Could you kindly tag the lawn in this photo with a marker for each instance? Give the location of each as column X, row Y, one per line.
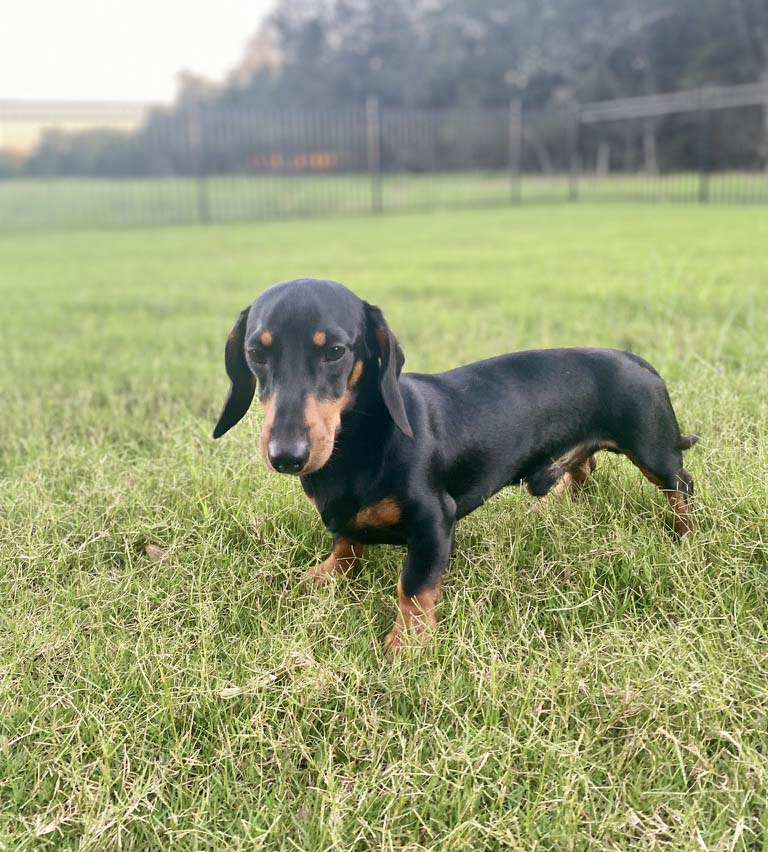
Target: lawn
column 594, row 684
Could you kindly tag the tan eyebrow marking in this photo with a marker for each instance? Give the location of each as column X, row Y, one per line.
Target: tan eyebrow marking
column 319, row 338
column 266, row 338
column 357, row 371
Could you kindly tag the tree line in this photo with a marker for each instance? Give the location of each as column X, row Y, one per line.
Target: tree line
column 438, row 53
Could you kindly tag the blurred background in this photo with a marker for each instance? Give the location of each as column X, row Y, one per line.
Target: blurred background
column 115, row 114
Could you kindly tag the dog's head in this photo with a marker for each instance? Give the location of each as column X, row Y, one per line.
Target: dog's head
column 307, row 344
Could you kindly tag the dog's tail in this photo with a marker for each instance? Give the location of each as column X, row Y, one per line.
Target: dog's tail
column 687, row 441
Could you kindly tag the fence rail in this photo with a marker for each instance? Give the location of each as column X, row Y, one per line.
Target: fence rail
column 90, row 164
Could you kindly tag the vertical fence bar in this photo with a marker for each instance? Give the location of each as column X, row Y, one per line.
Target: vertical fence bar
column 515, row 130
column 573, row 146
column 195, row 141
column 373, row 138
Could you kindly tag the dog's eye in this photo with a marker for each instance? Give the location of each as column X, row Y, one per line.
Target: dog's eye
column 257, row 356
column 333, row 353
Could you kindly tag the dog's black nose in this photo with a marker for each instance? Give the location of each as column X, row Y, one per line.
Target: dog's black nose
column 288, row 458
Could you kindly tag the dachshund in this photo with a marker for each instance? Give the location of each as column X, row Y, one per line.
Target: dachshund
column 391, row 458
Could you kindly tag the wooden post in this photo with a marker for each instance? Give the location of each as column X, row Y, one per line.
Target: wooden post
column 195, row 140
column 573, row 144
column 703, row 154
column 515, row 149
column 373, row 137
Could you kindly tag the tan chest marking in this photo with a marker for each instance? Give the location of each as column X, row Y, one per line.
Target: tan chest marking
column 385, row 513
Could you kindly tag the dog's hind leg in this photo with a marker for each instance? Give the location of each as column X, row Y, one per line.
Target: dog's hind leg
column 575, row 477
column 666, row 471
column 679, row 500
column 566, row 475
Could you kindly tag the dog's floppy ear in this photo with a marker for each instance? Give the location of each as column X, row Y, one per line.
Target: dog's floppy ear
column 384, row 344
column 243, row 381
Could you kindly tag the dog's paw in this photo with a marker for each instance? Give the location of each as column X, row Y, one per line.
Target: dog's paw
column 417, row 637
column 393, row 641
column 319, row 575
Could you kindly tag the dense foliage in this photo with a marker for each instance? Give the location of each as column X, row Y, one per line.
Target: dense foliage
column 447, row 52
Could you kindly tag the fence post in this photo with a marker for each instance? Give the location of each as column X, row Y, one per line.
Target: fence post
column 703, row 154
column 373, row 138
column 573, row 145
column 195, row 140
column 515, row 150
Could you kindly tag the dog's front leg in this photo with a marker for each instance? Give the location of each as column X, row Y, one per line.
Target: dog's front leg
column 342, row 558
column 418, row 589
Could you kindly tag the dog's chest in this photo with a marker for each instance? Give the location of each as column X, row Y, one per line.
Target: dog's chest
column 361, row 515
column 338, row 515
column 336, row 501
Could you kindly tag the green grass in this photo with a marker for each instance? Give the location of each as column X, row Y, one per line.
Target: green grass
column 78, row 203
column 593, row 683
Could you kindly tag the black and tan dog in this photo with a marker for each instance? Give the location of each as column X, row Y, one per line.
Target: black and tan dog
column 391, row 459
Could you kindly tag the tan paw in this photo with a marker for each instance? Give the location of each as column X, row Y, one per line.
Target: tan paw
column 417, row 635
column 393, row 641
column 320, row 574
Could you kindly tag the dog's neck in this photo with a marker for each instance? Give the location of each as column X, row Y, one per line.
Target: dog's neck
column 365, row 419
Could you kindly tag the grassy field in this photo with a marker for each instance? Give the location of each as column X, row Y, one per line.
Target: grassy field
column 78, row 203
column 594, row 684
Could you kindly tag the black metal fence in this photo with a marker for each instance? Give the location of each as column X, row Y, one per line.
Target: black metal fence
column 134, row 164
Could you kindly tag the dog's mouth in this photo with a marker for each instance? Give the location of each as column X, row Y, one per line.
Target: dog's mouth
column 322, row 420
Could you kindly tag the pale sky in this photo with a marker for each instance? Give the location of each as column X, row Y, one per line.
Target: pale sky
column 119, row 49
